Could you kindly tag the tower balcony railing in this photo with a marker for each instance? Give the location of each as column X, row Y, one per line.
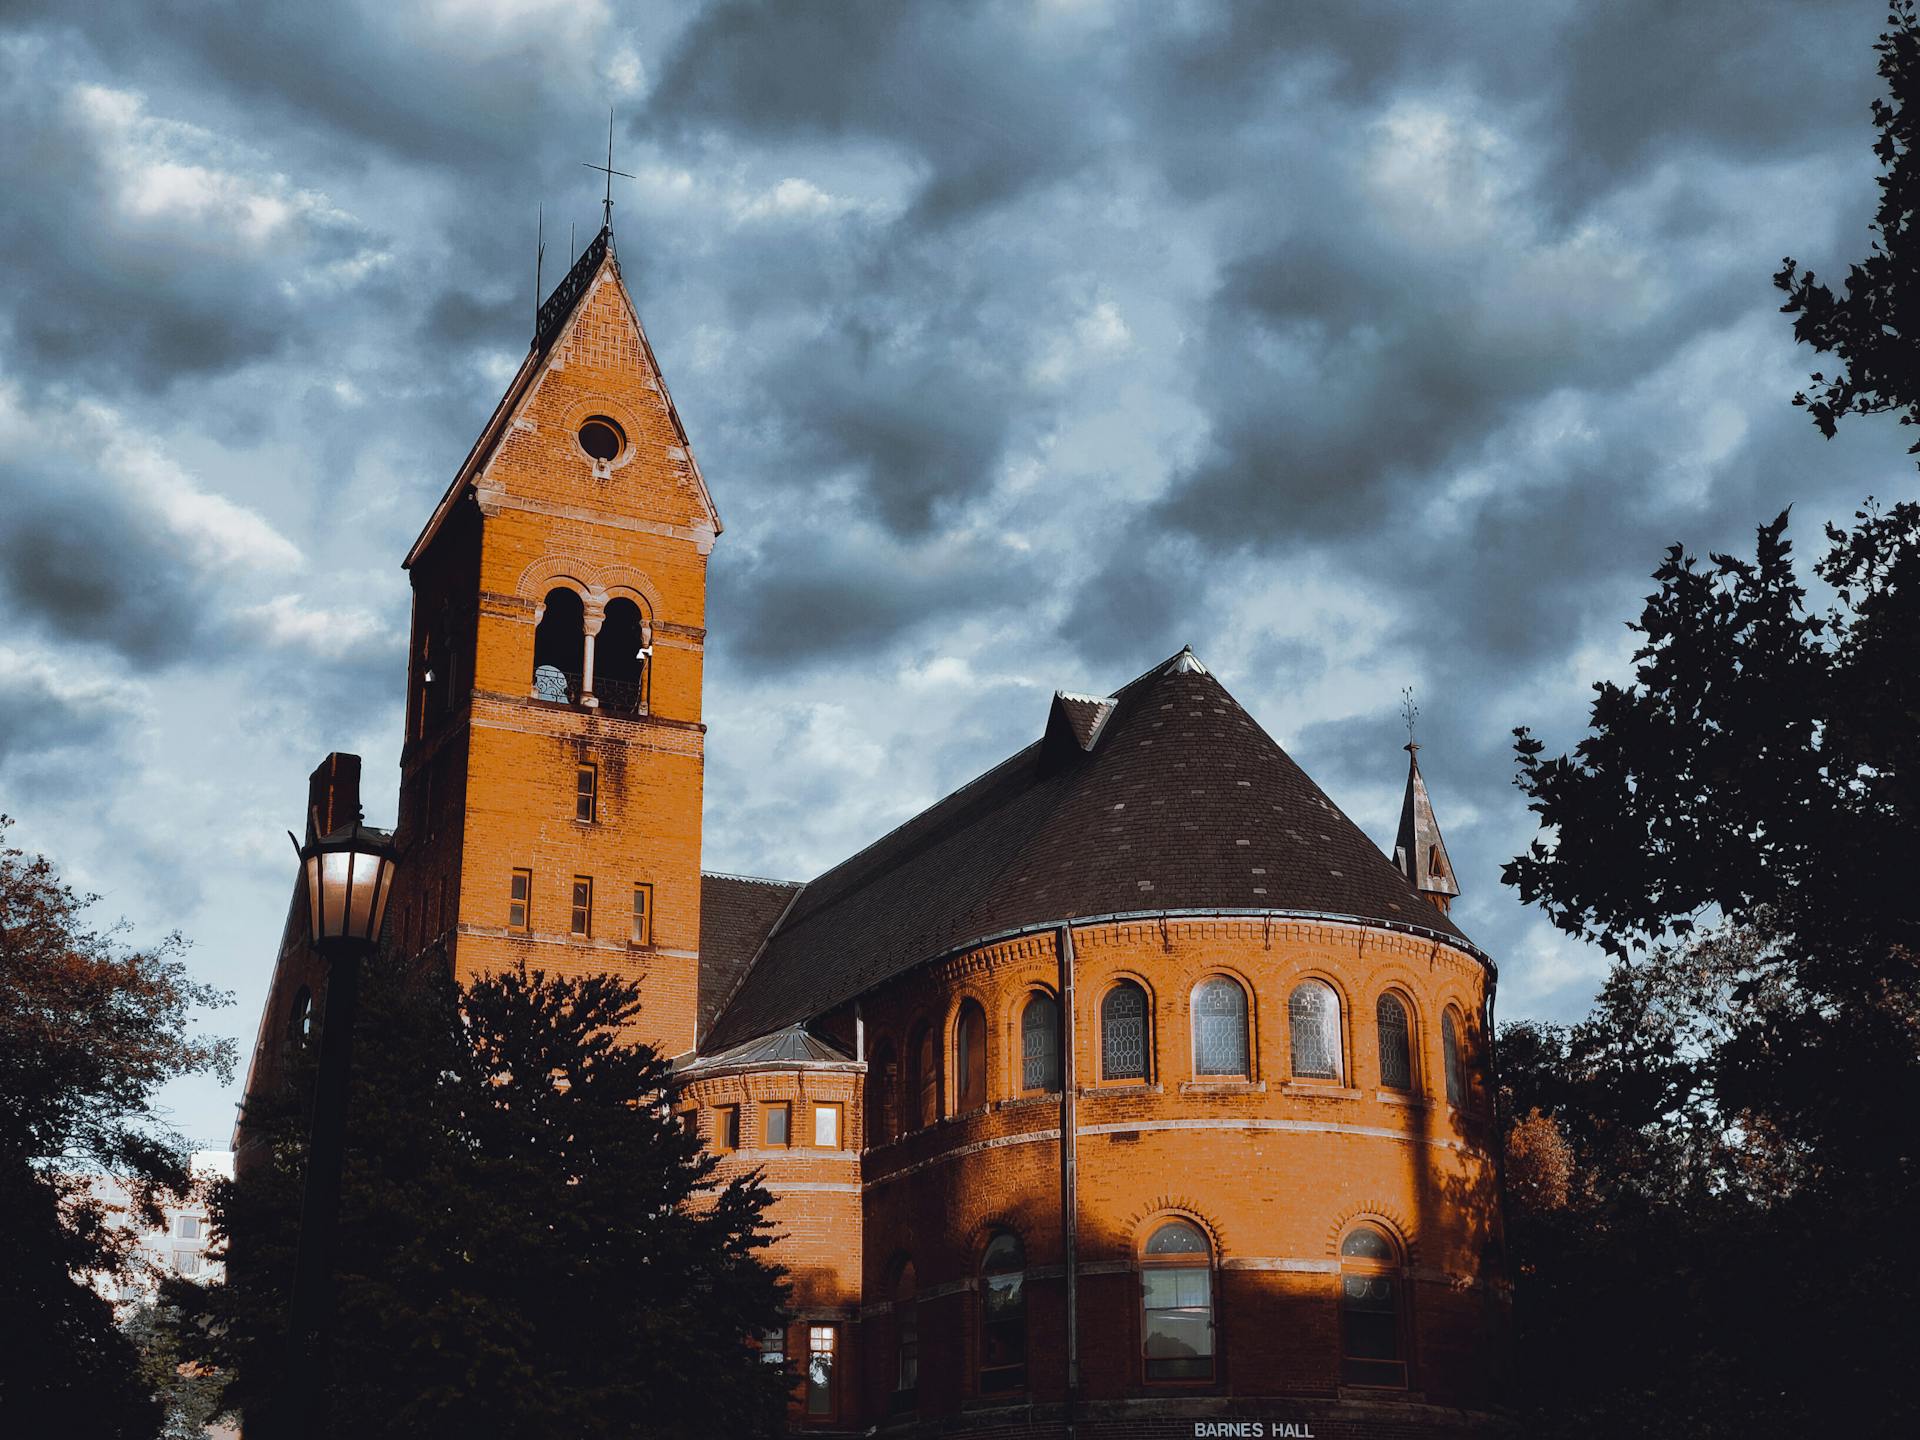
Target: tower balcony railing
column 614, row 697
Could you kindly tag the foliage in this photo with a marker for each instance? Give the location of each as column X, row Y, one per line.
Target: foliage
column 190, row 1393
column 529, row 1245
column 1874, row 326
column 90, row 1029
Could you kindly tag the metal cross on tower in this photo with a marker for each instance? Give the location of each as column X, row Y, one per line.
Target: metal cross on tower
column 606, row 205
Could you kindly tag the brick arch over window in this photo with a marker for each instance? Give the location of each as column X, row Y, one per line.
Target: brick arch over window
column 1178, row 1260
column 596, row 583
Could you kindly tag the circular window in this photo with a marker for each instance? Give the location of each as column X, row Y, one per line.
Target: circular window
column 602, row 438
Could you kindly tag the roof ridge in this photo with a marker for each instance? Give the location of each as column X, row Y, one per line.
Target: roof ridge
column 749, row 879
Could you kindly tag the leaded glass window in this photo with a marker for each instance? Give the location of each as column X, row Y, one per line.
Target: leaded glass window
column 1040, row 1044
column 1123, row 1033
column 1313, row 1015
column 1396, row 1044
column 1219, row 1028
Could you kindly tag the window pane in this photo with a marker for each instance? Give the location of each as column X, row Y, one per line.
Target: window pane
column 1040, row 1044
column 583, row 804
column 1177, row 1237
column 820, row 1369
column 826, row 1126
column 1177, row 1322
column 773, row 1347
column 1450, row 1056
column 582, row 905
column 642, row 915
column 1123, row 1033
column 776, row 1124
column 970, row 1056
column 1368, row 1244
column 1314, row 1016
column 1220, row 1028
column 1396, row 1050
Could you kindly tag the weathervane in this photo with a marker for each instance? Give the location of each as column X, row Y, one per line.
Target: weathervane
column 606, row 205
column 1409, row 712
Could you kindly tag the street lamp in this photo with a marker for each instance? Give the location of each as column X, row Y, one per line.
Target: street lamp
column 349, row 875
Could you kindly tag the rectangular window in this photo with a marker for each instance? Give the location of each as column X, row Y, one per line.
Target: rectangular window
column 642, row 933
column 820, row 1340
column 583, row 905
column 690, row 1122
column 773, row 1347
column 826, row 1126
column 726, row 1127
column 1178, row 1323
column 186, row 1262
column 187, row 1227
column 520, row 902
column 586, row 792
column 773, row 1123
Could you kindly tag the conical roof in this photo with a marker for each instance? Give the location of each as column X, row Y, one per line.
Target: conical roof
column 1418, row 850
column 1179, row 802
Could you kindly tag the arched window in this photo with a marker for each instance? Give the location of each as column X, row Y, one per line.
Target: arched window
column 1123, row 1033
column 1176, row 1303
column 970, row 1057
column 1219, row 1028
column 300, row 1017
column 1372, row 1335
column 620, row 659
column 560, row 647
column 1040, row 1044
column 923, row 1077
column 1003, row 1315
column 1396, row 1044
column 1451, row 1059
column 883, row 1091
column 1313, row 1015
column 906, row 1341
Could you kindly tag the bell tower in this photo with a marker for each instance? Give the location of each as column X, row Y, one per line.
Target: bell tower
column 551, row 778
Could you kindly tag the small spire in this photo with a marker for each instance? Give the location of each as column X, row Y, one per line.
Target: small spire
column 1418, row 850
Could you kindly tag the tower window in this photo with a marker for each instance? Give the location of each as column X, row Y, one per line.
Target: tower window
column 970, row 1057
column 726, row 1127
column 820, row 1347
column 520, row 901
column 1452, row 1061
column 583, row 905
column 826, row 1126
column 586, row 792
column 300, row 1017
column 1220, row 1028
column 1372, row 1332
column 1396, row 1044
column 602, row 439
column 1123, row 1033
column 642, row 933
column 774, row 1120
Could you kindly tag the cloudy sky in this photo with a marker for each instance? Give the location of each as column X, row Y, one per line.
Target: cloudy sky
column 1361, row 346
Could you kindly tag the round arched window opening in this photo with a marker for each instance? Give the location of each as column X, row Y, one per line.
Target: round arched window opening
column 602, row 439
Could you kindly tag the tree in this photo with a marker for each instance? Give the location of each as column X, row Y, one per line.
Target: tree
column 529, row 1244
column 90, row 1028
column 1874, row 327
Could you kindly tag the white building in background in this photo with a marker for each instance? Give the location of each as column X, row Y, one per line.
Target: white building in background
column 178, row 1247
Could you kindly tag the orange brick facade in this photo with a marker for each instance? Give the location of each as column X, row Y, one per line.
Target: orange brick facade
column 904, row 1163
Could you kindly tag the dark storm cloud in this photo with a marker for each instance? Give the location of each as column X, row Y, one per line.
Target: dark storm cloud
column 139, row 256
column 78, row 566
column 828, row 592
column 37, row 721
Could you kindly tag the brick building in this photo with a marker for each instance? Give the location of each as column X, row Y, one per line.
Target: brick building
column 1128, row 1090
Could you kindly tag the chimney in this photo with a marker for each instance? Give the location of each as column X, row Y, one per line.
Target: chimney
column 333, row 795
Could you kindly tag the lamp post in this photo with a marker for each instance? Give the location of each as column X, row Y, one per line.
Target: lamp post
column 349, row 875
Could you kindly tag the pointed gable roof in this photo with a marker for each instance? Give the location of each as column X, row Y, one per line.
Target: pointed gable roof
column 556, row 316
column 1179, row 802
column 1418, row 850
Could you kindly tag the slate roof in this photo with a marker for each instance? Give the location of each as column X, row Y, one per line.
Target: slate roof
column 736, row 912
column 795, row 1045
column 1182, row 803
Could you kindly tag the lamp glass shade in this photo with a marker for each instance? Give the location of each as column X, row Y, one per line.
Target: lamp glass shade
column 349, row 877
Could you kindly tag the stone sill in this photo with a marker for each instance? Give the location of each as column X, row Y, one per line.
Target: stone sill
column 1223, row 1087
column 1320, row 1091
